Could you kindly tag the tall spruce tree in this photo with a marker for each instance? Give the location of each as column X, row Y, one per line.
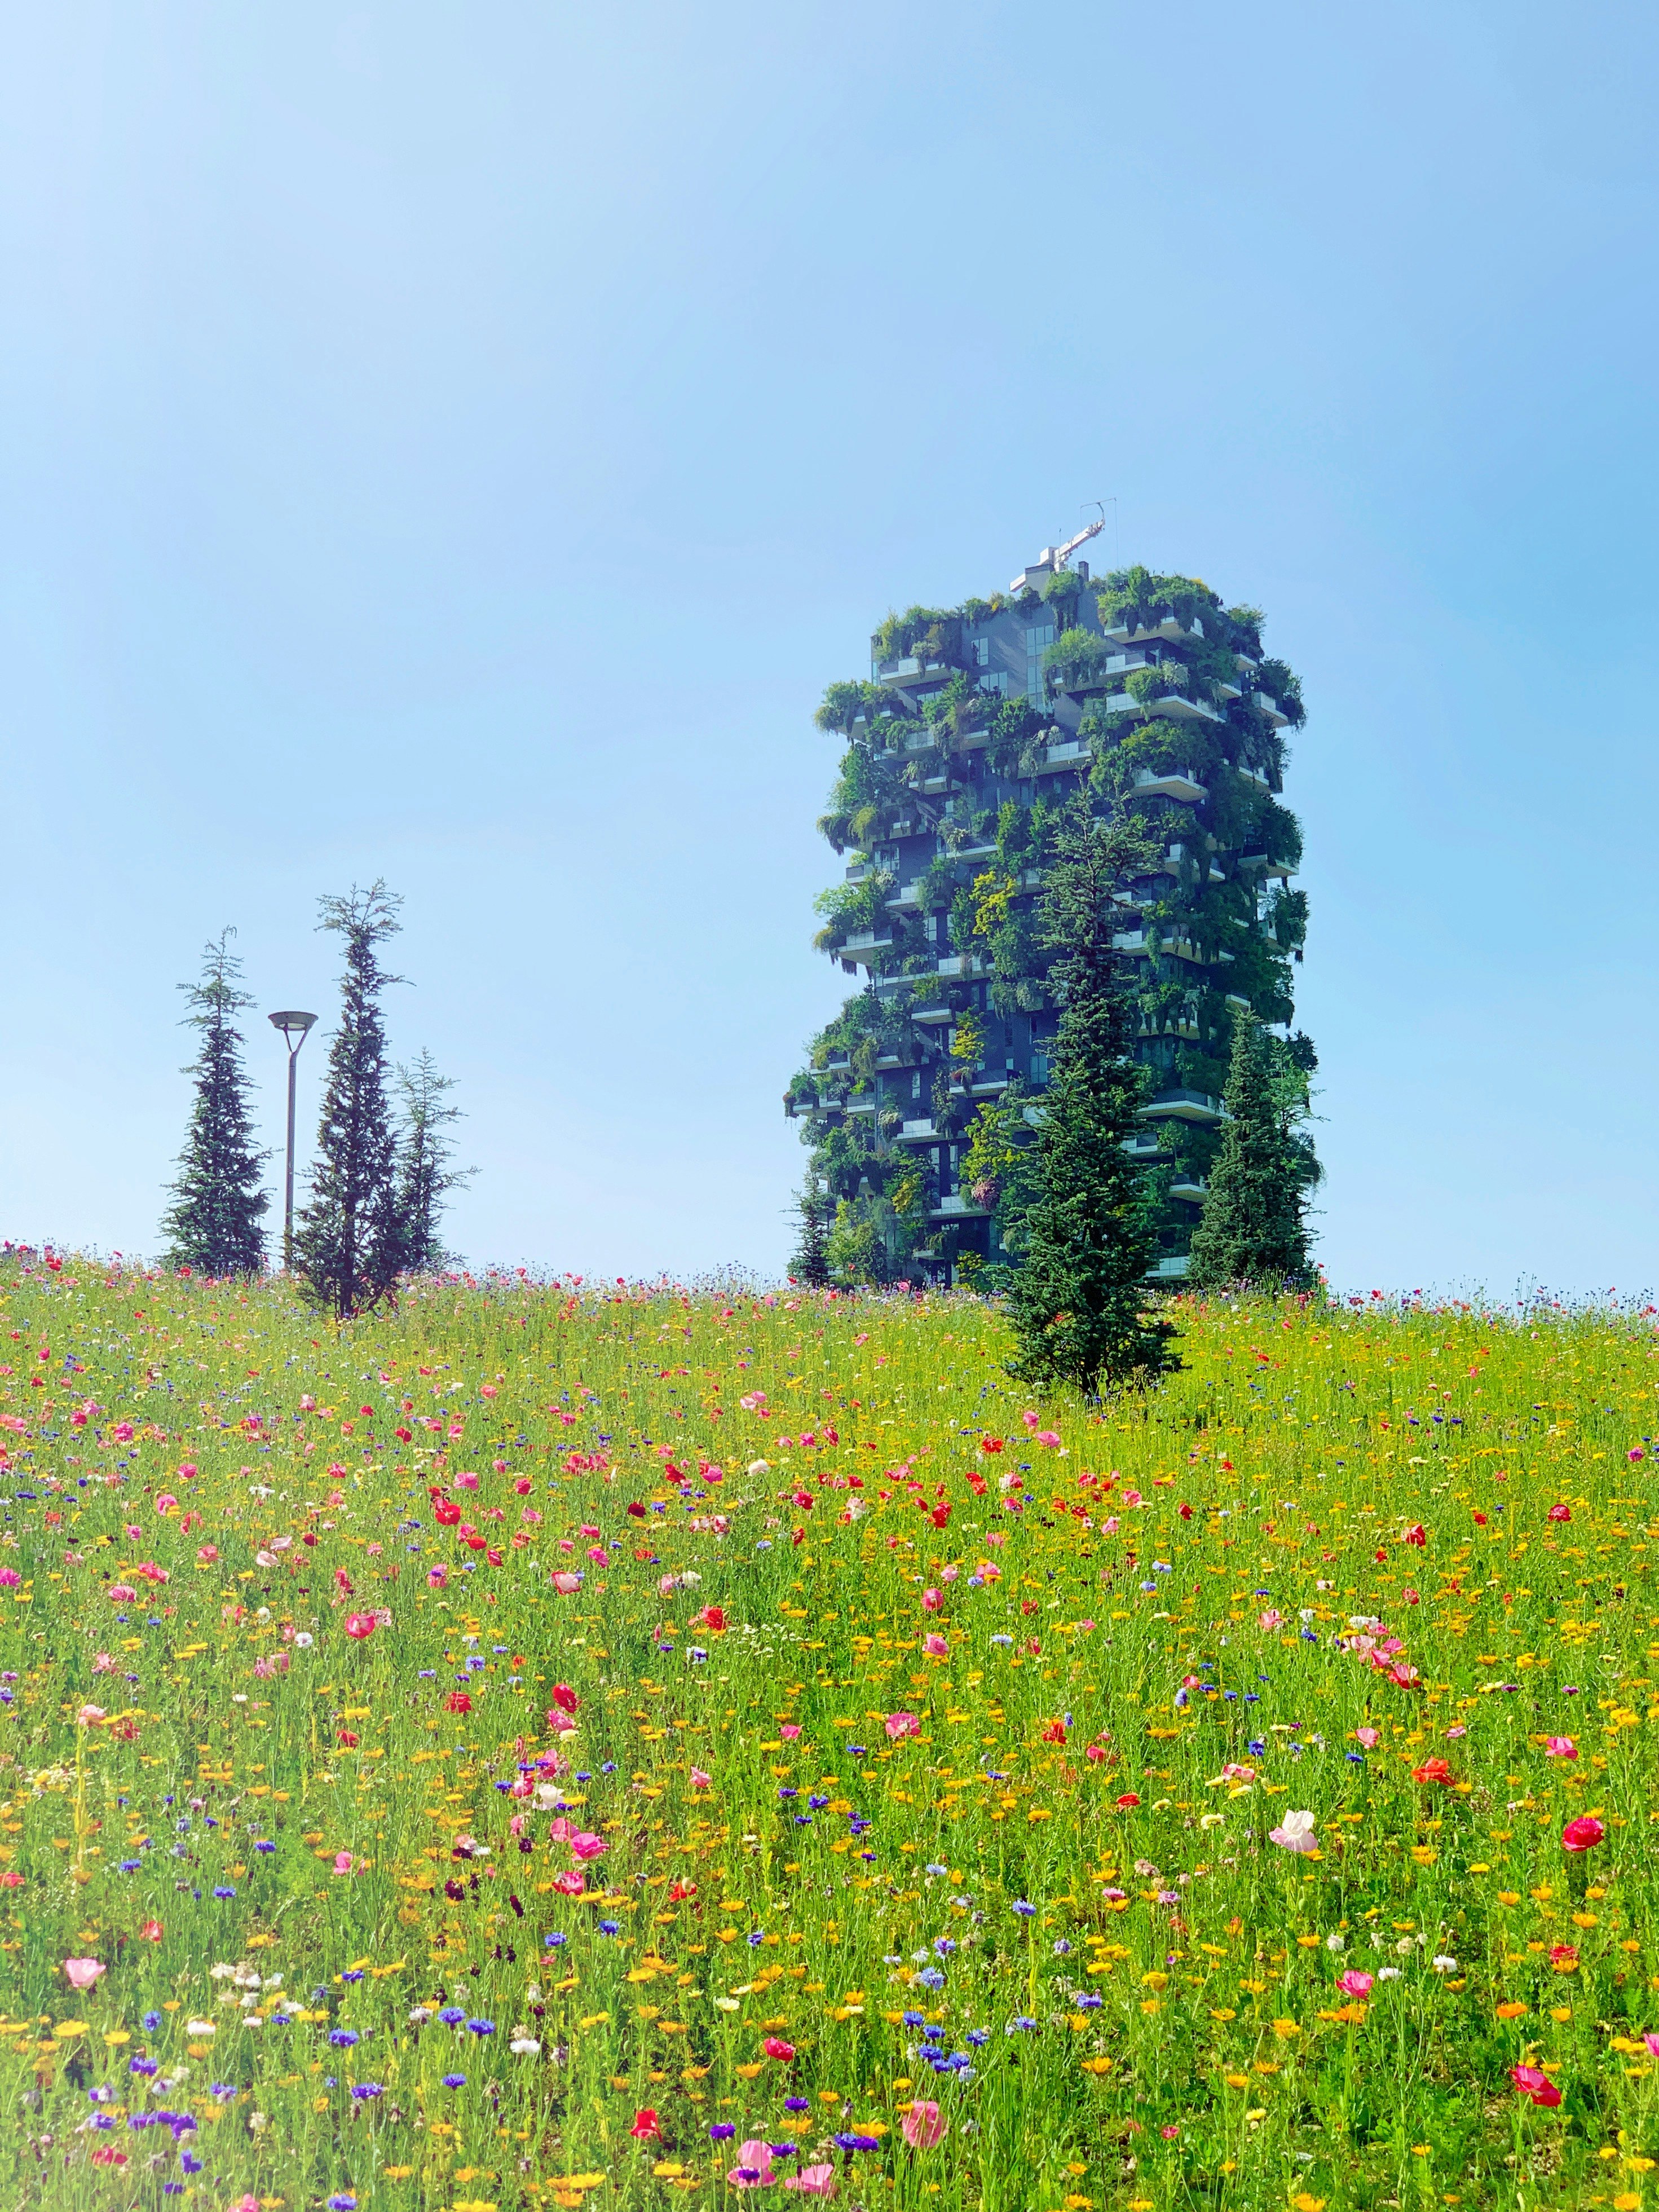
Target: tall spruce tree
column 810, row 1264
column 213, row 1225
column 1079, row 1301
column 425, row 1175
column 348, row 1245
column 1253, row 1229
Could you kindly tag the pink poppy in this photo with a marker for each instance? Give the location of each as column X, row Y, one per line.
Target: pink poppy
column 790, row 1730
column 932, row 1600
column 813, row 2181
column 81, row 1973
column 899, row 1725
column 569, row 1884
column 1367, row 1736
column 936, row 1647
column 1582, row 1834
column 207, row 1555
column 1355, row 1982
column 1652, row 2042
column 586, row 1846
column 699, row 1780
column 360, row 1627
column 1560, row 1746
column 343, row 1862
column 776, row 2047
column 567, row 1584
column 921, row 2125
column 1271, row 1619
column 754, row 2167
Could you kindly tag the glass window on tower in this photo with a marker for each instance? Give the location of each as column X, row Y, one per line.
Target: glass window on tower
column 1038, row 637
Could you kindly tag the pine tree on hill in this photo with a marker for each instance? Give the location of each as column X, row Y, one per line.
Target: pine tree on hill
column 349, row 1244
column 1253, row 1230
column 1079, row 1301
column 213, row 1224
column 425, row 1176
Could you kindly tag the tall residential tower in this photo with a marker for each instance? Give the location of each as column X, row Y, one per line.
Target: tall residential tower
column 977, row 722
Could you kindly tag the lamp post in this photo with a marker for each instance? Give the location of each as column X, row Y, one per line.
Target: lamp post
column 294, row 1029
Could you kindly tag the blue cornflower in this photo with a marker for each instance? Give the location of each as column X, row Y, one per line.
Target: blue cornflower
column 482, row 2027
column 944, row 1945
column 979, row 2036
column 352, row 1974
column 1025, row 1911
column 367, row 2089
column 554, row 1942
column 757, row 1937
column 452, row 2015
column 1019, row 2026
column 129, row 1866
column 342, row 2037
column 224, row 1889
column 343, row 2200
column 150, row 2022
column 720, row 2131
column 264, row 1844
column 913, row 2019
column 609, row 1927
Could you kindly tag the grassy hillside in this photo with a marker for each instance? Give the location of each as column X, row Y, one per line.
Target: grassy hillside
column 564, row 1746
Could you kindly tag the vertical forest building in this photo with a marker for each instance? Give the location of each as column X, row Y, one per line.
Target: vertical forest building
column 975, row 725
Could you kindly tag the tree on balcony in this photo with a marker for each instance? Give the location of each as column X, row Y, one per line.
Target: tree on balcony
column 1079, row 1301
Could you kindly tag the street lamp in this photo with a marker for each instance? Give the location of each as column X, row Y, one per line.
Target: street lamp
column 294, row 1028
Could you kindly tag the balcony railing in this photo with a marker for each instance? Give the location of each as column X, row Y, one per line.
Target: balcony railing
column 902, row 674
column 1175, row 704
column 1181, row 783
column 1184, row 1106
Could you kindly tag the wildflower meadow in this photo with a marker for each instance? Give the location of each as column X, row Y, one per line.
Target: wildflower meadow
column 565, row 1745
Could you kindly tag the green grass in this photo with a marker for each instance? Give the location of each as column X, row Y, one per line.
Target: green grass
column 1044, row 1872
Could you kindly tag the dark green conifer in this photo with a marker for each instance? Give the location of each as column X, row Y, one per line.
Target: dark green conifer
column 348, row 1245
column 1253, row 1230
column 1078, row 1301
column 810, row 1264
column 213, row 1225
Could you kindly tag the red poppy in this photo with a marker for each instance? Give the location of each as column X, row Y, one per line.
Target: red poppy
column 713, row 1618
column 348, row 1739
column 1560, row 1513
column 565, row 1697
column 1534, row 2082
column 446, row 1512
column 1581, row 1834
column 645, row 2128
column 1418, row 1535
column 776, row 2047
column 458, row 1702
column 636, row 1511
column 1432, row 1769
column 681, row 1891
column 990, row 1444
column 1128, row 1800
column 151, row 1931
column 1054, row 1732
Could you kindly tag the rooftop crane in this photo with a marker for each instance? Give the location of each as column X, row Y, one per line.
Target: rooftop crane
column 1053, row 558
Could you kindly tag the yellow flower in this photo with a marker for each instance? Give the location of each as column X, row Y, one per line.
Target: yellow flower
column 1512, row 2010
column 1285, row 2029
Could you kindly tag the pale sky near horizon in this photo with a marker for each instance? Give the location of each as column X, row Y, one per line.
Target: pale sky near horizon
column 460, row 445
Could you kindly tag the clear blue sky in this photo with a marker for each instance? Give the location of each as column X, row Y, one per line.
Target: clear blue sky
column 459, row 444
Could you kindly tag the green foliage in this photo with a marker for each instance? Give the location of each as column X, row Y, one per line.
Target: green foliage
column 1253, row 1230
column 810, row 1264
column 213, row 1225
column 1077, row 657
column 425, row 1173
column 1077, row 1303
column 929, row 630
column 349, row 1246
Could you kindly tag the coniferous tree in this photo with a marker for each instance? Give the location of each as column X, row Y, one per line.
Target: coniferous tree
column 213, row 1225
column 425, row 1175
column 1079, row 1301
column 1253, row 1229
column 348, row 1245
column 810, row 1264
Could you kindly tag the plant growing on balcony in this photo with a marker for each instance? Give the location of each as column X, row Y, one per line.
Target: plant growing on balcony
column 1253, row 1229
column 1078, row 1300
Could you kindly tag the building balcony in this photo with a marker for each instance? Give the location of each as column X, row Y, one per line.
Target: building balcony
column 906, row 899
column 1184, row 1106
column 861, row 944
column 987, row 1086
column 1072, row 754
column 1269, row 709
column 920, row 1133
column 1169, row 783
column 956, row 1207
column 910, row 673
column 1141, row 1145
column 1170, row 630
column 864, row 1103
column 1169, row 1269
column 1191, row 1188
column 930, row 1017
column 1172, row 704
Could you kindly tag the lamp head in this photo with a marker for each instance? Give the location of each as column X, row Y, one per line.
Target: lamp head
column 294, row 1027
